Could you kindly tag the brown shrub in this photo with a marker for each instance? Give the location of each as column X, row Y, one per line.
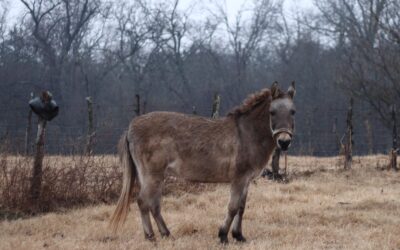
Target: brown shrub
column 67, row 182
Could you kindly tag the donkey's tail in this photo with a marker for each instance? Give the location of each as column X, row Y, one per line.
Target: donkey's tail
column 129, row 172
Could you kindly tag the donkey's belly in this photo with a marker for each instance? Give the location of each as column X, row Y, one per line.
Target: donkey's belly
column 198, row 168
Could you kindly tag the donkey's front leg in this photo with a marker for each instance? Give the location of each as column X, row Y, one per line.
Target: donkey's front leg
column 238, row 194
column 237, row 222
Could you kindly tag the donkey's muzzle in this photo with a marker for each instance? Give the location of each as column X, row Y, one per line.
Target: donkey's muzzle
column 284, row 143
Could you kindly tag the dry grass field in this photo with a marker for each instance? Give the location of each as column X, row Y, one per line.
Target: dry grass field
column 322, row 207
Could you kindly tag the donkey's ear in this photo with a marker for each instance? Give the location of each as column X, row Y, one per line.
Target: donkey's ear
column 274, row 90
column 292, row 90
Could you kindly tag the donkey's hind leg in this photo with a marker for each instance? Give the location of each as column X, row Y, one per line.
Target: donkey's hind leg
column 144, row 208
column 155, row 209
column 149, row 201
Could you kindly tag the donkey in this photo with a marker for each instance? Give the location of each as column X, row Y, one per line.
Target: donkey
column 232, row 149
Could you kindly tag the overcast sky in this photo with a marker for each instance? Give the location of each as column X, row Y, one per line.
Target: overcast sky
column 233, row 6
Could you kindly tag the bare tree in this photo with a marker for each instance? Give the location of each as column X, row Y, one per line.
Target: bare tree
column 3, row 16
column 139, row 38
column 176, row 28
column 368, row 39
column 58, row 27
column 246, row 36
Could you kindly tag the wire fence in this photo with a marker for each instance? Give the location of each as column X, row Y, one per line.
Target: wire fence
column 319, row 135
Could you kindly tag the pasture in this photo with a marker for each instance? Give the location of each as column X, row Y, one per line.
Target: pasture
column 321, row 207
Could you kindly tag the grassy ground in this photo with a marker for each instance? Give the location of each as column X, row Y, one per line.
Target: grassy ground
column 322, row 207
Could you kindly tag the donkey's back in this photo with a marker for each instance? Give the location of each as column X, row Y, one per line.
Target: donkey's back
column 194, row 148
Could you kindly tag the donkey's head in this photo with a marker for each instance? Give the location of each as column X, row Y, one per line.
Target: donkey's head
column 282, row 111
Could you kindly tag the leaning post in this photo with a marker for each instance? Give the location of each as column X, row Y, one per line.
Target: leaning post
column 46, row 109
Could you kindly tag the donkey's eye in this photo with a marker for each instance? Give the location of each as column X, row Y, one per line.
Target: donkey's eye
column 272, row 113
column 292, row 112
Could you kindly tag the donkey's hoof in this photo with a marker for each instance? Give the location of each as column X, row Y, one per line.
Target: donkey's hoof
column 238, row 236
column 223, row 240
column 223, row 237
column 150, row 237
column 165, row 234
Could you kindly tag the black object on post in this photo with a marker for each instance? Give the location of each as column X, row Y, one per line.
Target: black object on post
column 46, row 109
column 44, row 106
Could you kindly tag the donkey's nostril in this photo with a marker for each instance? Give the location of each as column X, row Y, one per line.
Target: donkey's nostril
column 284, row 144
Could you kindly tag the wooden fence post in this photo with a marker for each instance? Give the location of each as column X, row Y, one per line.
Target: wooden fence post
column 335, row 133
column 137, row 105
column 90, row 131
column 144, row 107
column 36, row 183
column 394, row 150
column 309, row 133
column 275, row 164
column 28, row 130
column 194, row 111
column 348, row 146
column 216, row 105
column 369, row 137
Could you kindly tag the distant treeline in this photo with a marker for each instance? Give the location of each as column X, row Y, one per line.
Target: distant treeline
column 115, row 50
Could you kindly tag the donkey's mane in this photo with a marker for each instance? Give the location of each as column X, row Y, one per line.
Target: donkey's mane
column 251, row 102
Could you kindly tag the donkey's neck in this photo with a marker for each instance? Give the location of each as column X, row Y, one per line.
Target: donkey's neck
column 255, row 142
column 257, row 123
column 255, row 136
